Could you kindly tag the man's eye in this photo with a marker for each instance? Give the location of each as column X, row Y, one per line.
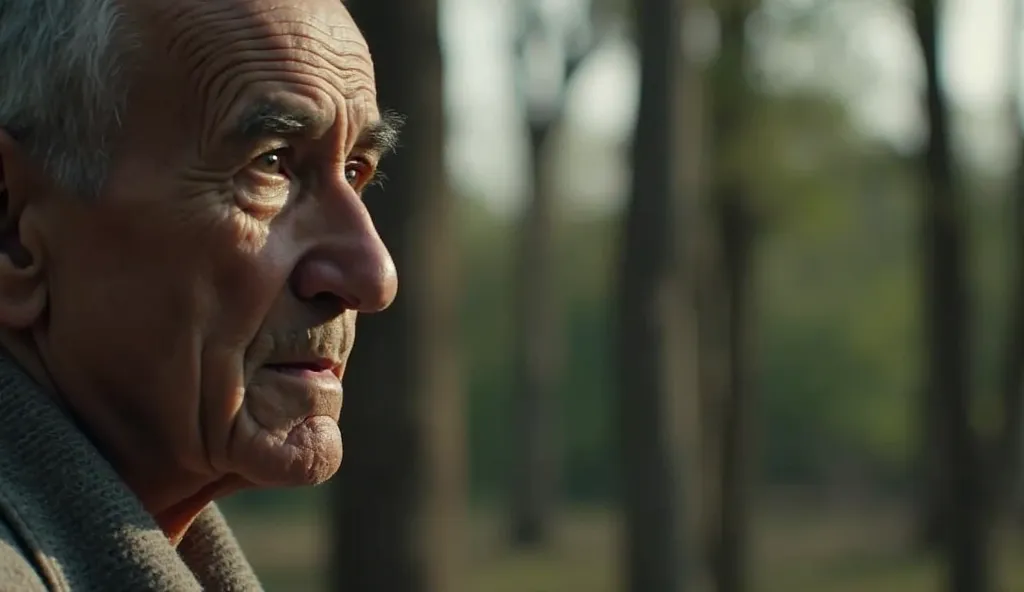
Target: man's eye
column 358, row 174
column 270, row 163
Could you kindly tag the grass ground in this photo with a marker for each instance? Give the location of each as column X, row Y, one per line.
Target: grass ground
column 796, row 550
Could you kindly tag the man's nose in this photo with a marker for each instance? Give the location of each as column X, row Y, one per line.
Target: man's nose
column 350, row 264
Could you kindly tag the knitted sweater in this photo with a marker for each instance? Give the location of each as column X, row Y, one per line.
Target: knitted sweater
column 67, row 522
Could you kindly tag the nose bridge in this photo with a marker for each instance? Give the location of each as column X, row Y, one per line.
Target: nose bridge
column 349, row 260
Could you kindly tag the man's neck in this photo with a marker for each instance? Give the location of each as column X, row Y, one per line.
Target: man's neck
column 176, row 519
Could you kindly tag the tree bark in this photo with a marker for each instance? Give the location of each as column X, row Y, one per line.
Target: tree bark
column 734, row 215
column 400, row 495
column 1009, row 445
column 537, row 357
column 693, row 370
column 652, row 471
column 736, row 229
column 948, row 431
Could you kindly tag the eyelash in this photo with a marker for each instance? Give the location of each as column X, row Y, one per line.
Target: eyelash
column 377, row 181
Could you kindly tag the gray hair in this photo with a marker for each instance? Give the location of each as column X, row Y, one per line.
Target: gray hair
column 61, row 91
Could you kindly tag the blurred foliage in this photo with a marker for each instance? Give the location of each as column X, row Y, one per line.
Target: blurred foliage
column 838, row 343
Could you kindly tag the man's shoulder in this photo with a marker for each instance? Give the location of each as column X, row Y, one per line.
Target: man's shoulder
column 17, row 571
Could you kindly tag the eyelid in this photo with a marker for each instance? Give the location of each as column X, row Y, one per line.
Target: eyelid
column 361, row 159
column 359, row 153
column 269, row 149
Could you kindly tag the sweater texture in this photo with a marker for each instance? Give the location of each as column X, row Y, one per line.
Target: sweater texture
column 68, row 522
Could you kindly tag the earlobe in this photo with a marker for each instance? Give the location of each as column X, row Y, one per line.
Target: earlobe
column 23, row 289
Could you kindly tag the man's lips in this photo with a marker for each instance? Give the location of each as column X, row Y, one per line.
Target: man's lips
column 316, row 368
column 316, row 381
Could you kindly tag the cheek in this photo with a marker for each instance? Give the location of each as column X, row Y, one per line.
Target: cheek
column 247, row 283
column 128, row 291
column 115, row 325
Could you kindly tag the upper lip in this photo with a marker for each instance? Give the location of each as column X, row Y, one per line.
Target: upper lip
column 318, row 364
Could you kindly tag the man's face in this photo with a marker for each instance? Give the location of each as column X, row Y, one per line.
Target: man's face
column 207, row 298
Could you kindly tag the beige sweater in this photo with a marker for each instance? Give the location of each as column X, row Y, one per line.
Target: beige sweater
column 67, row 522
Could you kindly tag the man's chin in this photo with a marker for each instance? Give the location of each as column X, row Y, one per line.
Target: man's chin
column 309, row 455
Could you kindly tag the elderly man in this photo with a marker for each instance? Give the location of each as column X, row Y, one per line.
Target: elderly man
column 184, row 251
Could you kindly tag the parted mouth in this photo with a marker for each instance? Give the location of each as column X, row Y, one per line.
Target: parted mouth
column 301, row 365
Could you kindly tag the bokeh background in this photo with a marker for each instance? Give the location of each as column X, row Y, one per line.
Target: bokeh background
column 694, row 295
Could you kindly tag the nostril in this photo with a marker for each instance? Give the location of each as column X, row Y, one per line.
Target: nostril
column 324, row 289
column 338, row 302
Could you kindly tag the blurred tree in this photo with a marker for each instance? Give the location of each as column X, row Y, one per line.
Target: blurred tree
column 1009, row 444
column 648, row 409
column 400, row 495
column 836, row 312
column 727, row 305
column 548, row 56
column 700, row 492
column 955, row 482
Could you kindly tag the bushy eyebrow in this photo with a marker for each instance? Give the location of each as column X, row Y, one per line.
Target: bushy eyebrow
column 381, row 136
column 269, row 118
column 266, row 118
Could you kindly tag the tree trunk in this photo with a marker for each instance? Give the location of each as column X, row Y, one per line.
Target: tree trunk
column 947, row 383
column 537, row 357
column 1006, row 477
column 737, row 235
column 712, row 387
column 652, row 462
column 699, row 429
column 539, row 330
column 400, row 494
column 733, row 212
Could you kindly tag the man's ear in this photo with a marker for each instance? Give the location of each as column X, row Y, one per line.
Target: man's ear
column 23, row 289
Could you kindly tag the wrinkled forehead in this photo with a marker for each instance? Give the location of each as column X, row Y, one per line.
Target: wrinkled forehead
column 234, row 51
